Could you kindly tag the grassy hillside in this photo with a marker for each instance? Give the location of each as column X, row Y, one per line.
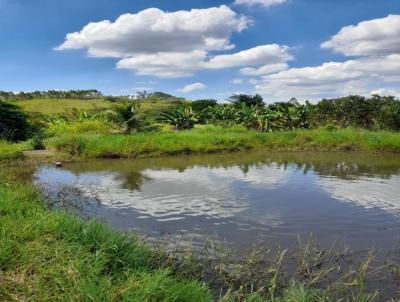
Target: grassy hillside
column 150, row 108
column 56, row 106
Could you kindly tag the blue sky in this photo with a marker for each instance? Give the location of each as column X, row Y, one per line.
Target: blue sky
column 275, row 47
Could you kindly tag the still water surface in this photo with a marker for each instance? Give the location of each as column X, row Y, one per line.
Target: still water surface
column 242, row 199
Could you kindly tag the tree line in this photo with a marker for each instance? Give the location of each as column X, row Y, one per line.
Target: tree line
column 373, row 113
column 50, row 94
column 85, row 94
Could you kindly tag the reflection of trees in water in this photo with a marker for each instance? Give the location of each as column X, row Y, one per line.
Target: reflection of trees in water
column 344, row 170
column 340, row 165
column 244, row 168
column 132, row 180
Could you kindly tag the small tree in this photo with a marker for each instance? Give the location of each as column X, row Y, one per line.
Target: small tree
column 200, row 105
column 14, row 124
column 127, row 116
column 248, row 100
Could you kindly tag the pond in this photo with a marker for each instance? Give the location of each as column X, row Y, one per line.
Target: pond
column 241, row 199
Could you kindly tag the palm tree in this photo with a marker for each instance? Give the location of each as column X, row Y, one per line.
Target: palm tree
column 127, row 116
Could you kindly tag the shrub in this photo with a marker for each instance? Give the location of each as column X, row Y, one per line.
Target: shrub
column 248, row 100
column 330, row 127
column 37, row 142
column 14, row 124
column 200, row 105
column 357, row 111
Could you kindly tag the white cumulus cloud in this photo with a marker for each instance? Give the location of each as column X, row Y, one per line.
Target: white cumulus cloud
column 372, row 37
column 173, row 44
column 180, row 64
column 332, row 78
column 165, row 64
column 386, row 92
column 265, row 69
column 152, row 31
column 375, row 68
column 192, row 87
column 265, row 3
column 237, row 81
column 254, row 56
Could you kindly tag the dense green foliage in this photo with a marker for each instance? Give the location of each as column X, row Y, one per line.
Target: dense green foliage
column 372, row 113
column 375, row 113
column 356, row 111
column 262, row 118
column 222, row 120
column 201, row 105
column 14, row 124
column 181, row 117
column 248, row 100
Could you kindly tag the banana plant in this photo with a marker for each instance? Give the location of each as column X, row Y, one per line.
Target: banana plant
column 181, row 117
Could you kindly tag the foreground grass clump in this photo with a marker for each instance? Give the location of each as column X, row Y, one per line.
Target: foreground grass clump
column 52, row 256
column 75, row 127
column 12, row 150
column 208, row 139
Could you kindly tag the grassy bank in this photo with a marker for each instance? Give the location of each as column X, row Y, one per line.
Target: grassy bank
column 210, row 139
column 11, row 150
column 52, row 256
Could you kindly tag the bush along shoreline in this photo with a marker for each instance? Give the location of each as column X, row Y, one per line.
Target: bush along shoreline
column 211, row 139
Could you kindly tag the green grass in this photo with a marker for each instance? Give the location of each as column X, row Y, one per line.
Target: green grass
column 76, row 127
column 53, row 256
column 209, row 139
column 13, row 150
column 57, row 106
column 150, row 109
